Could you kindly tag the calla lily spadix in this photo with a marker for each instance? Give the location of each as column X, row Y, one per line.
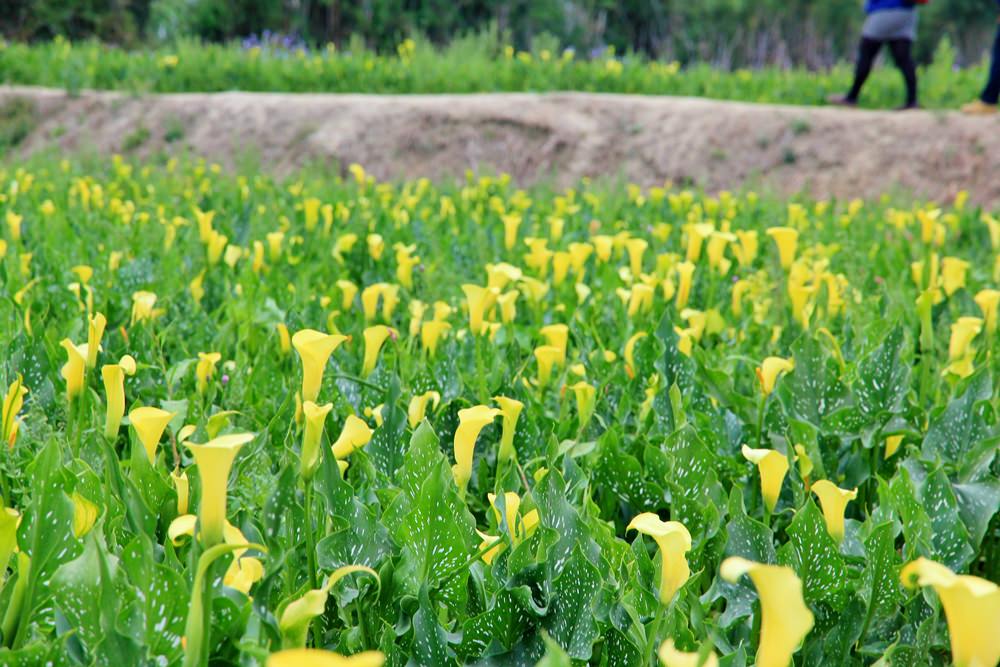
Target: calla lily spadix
column 470, row 422
column 314, row 348
column 214, row 460
column 114, row 389
column 785, row 618
column 674, row 541
column 149, row 424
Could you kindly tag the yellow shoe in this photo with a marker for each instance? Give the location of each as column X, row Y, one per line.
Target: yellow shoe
column 979, row 108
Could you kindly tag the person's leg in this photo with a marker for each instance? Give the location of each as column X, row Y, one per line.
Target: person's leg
column 902, row 54
column 867, row 51
column 991, row 94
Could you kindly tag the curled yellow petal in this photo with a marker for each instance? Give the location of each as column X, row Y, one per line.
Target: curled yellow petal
column 149, row 424
column 312, row 657
column 772, row 465
column 418, row 407
column 354, row 435
column 314, row 348
column 834, row 501
column 374, row 339
column 674, row 541
column 785, row 618
column 770, row 369
column 671, row 657
column 510, row 409
column 312, row 435
column 215, row 460
column 470, row 422
column 971, row 606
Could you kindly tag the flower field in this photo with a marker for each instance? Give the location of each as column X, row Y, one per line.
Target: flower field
column 252, row 421
column 467, row 66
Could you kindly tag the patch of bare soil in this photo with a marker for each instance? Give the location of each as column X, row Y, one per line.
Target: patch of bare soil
column 558, row 137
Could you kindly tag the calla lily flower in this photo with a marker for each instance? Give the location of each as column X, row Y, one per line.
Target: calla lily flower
column 673, row 540
column 284, row 338
column 834, row 501
column 557, row 335
column 84, row 515
column 405, row 261
column 149, row 424
column 785, row 618
column 746, row 250
column 314, row 348
column 510, row 409
column 470, row 422
column 635, row 248
column 313, row 657
column 953, row 272
column 511, row 223
column 685, row 273
column 182, row 487
column 10, row 519
column 312, row 435
column 143, row 307
column 585, row 395
column 480, row 301
column 786, row 238
column 696, row 235
column 547, row 357
column 215, row 460
column 502, row 274
column 960, row 350
column 75, row 367
column 205, row 369
column 988, row 301
column 508, row 306
column 671, row 657
column 770, row 369
column 773, row 466
column 418, row 407
column 892, row 444
column 13, row 401
column 374, row 339
column 431, row 334
column 14, row 225
column 629, row 352
column 114, row 388
column 519, row 527
column 348, row 291
column 354, row 435
column 95, row 331
column 972, row 607
column 295, row 619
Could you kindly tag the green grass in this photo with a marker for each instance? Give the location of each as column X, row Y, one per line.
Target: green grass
column 467, row 66
column 677, row 395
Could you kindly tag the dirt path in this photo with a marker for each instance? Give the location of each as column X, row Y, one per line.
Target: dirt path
column 558, row 136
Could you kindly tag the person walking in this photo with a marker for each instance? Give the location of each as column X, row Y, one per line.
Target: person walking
column 987, row 102
column 892, row 22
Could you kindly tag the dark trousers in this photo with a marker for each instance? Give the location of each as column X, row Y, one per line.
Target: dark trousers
column 992, row 91
column 902, row 55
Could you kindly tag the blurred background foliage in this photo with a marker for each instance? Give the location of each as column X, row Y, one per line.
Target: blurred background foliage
column 724, row 33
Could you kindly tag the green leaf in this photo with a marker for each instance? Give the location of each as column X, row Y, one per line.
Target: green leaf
column 882, row 378
column 554, row 656
column 880, row 580
column 162, row 607
column 570, row 618
column 958, row 431
column 814, row 390
column 814, row 555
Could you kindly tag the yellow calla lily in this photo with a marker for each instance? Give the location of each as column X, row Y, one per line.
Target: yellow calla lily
column 635, row 248
column 296, row 617
column 149, row 424
column 470, row 422
column 313, row 657
column 314, row 348
column 953, row 272
column 353, row 436
column 374, row 339
column 971, row 606
column 13, row 401
column 746, row 250
column 786, row 238
column 547, row 357
column 431, row 334
column 502, row 274
column 585, row 395
column 480, row 301
column 685, row 273
column 770, row 369
column 674, row 541
column 892, row 444
column 511, row 223
column 312, row 435
column 95, row 331
column 629, row 352
column 785, row 618
column 182, row 487
column 834, row 501
column 519, row 526
column 114, row 388
column 205, row 369
column 557, row 335
column 418, row 407
column 10, row 519
column 84, row 515
column 671, row 657
column 143, row 307
column 773, row 466
column 960, row 350
column 284, row 338
column 510, row 409
column 988, row 301
column 215, row 460
column 75, row 368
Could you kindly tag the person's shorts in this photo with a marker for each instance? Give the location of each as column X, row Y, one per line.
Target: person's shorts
column 890, row 24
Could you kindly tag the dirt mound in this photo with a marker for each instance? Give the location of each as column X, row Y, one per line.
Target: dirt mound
column 558, row 136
